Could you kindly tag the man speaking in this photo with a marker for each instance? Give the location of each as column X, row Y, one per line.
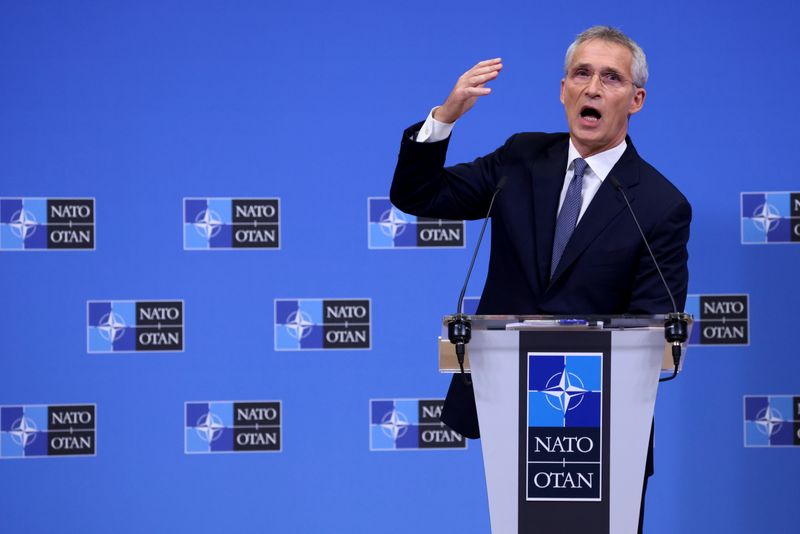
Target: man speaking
column 563, row 241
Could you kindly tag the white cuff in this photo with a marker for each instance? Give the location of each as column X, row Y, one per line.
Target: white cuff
column 433, row 130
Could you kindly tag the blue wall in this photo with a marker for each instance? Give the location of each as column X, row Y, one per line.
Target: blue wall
column 141, row 104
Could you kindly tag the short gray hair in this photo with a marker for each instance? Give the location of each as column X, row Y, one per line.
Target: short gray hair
column 612, row 35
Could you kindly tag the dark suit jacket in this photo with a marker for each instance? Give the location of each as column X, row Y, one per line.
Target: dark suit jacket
column 605, row 268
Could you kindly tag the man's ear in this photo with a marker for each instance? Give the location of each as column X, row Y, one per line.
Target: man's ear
column 561, row 96
column 638, row 100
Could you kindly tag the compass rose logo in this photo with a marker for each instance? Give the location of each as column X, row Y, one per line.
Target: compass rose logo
column 394, row 424
column 23, row 431
column 209, row 427
column 23, row 224
column 769, row 421
column 766, row 217
column 208, row 223
column 564, row 391
column 111, row 326
column 299, row 324
column 392, row 223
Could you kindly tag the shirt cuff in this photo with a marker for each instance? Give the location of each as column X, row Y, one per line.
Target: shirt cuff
column 433, row 131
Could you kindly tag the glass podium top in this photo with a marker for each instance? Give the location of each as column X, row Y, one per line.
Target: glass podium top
column 525, row 322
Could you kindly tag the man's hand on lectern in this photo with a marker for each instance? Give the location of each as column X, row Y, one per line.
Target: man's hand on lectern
column 469, row 87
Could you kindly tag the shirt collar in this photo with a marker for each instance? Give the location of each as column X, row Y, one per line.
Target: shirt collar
column 601, row 163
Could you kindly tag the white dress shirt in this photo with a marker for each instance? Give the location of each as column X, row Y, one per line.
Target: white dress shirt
column 598, row 166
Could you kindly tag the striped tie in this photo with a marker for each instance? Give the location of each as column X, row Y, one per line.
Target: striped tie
column 568, row 216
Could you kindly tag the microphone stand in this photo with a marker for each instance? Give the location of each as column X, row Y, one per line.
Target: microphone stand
column 676, row 326
column 459, row 329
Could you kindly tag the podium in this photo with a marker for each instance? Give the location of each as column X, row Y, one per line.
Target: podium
column 565, row 407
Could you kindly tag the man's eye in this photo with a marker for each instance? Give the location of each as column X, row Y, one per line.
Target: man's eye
column 612, row 76
column 581, row 73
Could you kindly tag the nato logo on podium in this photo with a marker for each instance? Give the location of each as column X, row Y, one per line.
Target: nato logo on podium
column 564, row 426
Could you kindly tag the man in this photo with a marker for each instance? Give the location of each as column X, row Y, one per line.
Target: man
column 563, row 241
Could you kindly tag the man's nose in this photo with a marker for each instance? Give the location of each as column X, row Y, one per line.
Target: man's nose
column 595, row 85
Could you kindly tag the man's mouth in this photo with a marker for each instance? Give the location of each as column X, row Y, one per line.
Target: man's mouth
column 590, row 114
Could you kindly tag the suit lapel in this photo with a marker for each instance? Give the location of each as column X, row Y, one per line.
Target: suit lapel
column 604, row 207
column 548, row 179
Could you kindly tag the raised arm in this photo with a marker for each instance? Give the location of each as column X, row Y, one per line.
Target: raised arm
column 422, row 185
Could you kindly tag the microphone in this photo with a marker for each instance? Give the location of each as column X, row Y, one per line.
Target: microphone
column 676, row 327
column 459, row 329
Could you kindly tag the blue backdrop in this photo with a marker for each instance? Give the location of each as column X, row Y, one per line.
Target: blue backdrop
column 142, row 104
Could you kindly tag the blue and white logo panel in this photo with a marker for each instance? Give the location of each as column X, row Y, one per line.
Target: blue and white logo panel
column 719, row 319
column 134, row 326
column 772, row 421
column 33, row 223
column 410, row 424
column 770, row 217
column 39, row 430
column 322, row 324
column 564, row 411
column 390, row 228
column 232, row 426
column 217, row 223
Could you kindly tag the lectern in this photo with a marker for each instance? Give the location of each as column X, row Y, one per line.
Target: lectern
column 564, row 406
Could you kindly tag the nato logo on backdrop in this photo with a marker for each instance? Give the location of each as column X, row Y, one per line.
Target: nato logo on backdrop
column 391, row 228
column 134, row 326
column 322, row 324
column 47, row 224
column 410, row 424
column 719, row 319
column 772, row 420
column 564, row 427
column 770, row 217
column 231, row 223
column 232, row 426
column 37, row 430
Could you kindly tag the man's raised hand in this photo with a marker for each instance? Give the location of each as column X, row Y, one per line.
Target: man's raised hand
column 469, row 87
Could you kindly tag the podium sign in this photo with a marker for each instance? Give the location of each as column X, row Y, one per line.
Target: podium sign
column 565, row 448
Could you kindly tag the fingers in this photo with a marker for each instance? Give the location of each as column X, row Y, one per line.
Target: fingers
column 468, row 88
column 482, row 72
column 477, row 91
column 474, row 71
column 483, row 78
column 488, row 62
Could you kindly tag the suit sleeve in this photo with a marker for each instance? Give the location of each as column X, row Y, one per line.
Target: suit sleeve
column 668, row 239
column 423, row 186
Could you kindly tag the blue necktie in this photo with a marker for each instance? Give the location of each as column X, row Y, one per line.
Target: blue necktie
column 568, row 216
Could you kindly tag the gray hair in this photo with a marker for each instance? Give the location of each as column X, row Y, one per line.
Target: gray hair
column 612, row 35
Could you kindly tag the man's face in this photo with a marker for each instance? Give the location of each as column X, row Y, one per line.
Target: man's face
column 598, row 96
